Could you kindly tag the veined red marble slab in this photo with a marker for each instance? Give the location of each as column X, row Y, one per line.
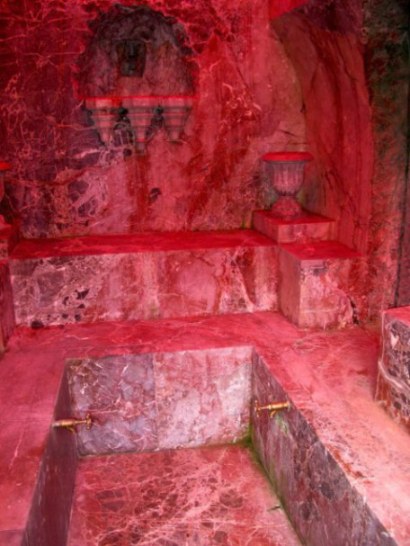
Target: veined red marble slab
column 318, row 286
column 7, row 318
column 192, row 497
column 143, row 242
column 161, row 400
column 143, row 277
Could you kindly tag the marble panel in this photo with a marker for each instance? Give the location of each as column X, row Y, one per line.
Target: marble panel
column 229, row 273
column 50, row 511
column 119, row 393
column 318, row 284
column 202, row 396
column 322, row 504
column 161, row 400
column 7, row 318
column 195, row 497
column 393, row 384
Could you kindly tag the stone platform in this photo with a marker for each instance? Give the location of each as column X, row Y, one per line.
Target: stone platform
column 146, row 276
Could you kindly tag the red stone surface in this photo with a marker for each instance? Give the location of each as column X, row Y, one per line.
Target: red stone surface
column 66, row 182
column 318, row 497
column 393, row 384
column 50, row 511
column 307, row 227
column 279, row 7
column 147, row 242
column 8, row 239
column 192, row 497
column 143, row 277
column 324, row 44
column 318, row 283
column 7, row 317
column 388, row 77
column 287, row 157
column 161, row 400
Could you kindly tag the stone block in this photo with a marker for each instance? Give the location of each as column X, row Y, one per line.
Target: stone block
column 316, row 285
column 145, row 276
column 157, row 401
column 308, row 227
column 393, row 383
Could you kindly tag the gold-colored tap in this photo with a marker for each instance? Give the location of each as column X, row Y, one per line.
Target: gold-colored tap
column 70, row 424
column 272, row 408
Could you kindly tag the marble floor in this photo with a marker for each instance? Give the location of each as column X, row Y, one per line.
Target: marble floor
column 204, row 496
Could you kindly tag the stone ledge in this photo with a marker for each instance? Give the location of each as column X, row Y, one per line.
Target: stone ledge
column 143, row 277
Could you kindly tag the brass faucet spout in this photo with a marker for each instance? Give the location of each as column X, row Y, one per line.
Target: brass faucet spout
column 71, row 423
column 272, row 408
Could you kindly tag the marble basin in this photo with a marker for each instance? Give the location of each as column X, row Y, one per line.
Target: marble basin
column 145, row 407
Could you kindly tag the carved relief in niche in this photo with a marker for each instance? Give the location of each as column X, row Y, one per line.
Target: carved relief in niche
column 136, row 51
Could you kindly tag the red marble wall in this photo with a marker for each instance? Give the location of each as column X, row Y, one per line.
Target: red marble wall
column 248, row 102
column 387, row 53
column 279, row 7
column 326, row 75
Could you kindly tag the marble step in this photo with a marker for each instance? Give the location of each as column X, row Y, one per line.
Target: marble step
column 144, row 276
column 319, row 284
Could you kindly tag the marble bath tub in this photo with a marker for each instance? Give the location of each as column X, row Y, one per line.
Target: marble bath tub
column 148, row 404
column 138, row 403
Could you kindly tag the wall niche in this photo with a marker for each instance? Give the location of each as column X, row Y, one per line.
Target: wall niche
column 136, row 51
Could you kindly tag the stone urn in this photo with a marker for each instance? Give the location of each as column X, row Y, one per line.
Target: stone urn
column 286, row 171
column 4, row 167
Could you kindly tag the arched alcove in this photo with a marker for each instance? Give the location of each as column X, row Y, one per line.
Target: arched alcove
column 136, row 51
